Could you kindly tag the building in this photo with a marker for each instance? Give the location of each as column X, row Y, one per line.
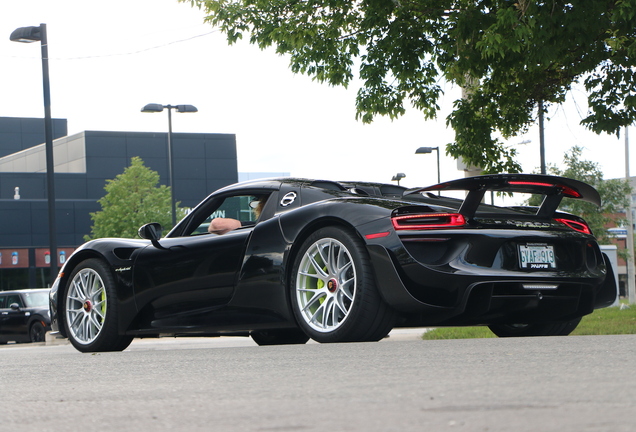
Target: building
column 83, row 162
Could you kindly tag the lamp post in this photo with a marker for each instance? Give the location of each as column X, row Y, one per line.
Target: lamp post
column 153, row 108
column 426, row 150
column 398, row 177
column 28, row 35
column 541, row 138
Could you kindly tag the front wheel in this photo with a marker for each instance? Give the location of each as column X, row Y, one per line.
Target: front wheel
column 560, row 328
column 333, row 292
column 90, row 309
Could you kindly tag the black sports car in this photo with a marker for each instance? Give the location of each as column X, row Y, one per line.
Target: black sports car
column 341, row 261
column 24, row 315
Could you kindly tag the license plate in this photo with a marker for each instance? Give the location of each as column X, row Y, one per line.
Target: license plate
column 537, row 256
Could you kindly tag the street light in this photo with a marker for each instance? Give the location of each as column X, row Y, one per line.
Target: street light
column 28, row 35
column 398, row 177
column 153, row 108
column 426, row 150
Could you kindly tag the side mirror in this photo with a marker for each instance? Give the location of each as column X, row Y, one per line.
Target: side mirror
column 152, row 232
column 14, row 306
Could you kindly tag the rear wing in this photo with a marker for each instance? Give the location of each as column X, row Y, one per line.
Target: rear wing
column 553, row 188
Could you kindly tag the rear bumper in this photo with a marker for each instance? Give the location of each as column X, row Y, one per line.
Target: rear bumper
column 459, row 296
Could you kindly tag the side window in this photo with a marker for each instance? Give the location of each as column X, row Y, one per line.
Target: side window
column 241, row 208
column 14, row 298
column 3, row 302
column 244, row 208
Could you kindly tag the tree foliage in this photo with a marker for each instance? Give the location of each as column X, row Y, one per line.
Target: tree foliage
column 614, row 194
column 507, row 55
column 132, row 199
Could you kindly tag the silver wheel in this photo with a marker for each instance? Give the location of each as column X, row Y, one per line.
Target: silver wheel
column 86, row 306
column 326, row 285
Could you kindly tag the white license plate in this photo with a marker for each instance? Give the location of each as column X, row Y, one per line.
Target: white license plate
column 537, row 256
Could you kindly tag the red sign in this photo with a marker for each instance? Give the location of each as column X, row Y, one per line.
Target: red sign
column 19, row 258
column 14, row 258
column 43, row 257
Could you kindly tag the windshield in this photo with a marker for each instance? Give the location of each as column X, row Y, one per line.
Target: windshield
column 37, row 299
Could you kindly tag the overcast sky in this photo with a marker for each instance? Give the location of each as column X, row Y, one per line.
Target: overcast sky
column 109, row 59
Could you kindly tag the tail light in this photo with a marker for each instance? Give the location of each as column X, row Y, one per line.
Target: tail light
column 581, row 227
column 428, row 221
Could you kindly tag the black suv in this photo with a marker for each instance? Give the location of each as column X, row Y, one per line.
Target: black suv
column 24, row 315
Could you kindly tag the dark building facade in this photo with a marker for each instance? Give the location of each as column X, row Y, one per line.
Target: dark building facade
column 83, row 164
column 18, row 134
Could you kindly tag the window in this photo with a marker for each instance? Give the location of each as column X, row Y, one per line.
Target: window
column 36, row 299
column 13, row 298
column 244, row 208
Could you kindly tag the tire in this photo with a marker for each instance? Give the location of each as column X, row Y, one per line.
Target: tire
column 90, row 309
column 37, row 332
column 333, row 293
column 563, row 328
column 279, row 337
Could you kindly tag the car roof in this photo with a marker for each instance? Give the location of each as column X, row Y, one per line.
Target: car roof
column 371, row 188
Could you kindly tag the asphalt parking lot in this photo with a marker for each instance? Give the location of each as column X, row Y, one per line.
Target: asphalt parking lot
column 575, row 383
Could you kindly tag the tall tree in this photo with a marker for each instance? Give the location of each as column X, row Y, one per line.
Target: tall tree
column 132, row 199
column 508, row 56
column 614, row 194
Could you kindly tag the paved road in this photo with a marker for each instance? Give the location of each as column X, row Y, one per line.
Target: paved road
column 576, row 383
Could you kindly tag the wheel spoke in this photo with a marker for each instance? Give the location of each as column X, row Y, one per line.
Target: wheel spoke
column 93, row 318
column 343, row 270
column 332, row 264
column 340, row 303
column 314, row 318
column 321, row 253
column 342, row 262
column 314, row 298
column 86, row 324
column 76, row 319
column 347, row 288
column 331, row 318
column 312, row 275
column 316, row 266
column 99, row 314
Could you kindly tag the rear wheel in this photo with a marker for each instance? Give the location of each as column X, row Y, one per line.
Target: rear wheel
column 561, row 328
column 279, row 337
column 334, row 296
column 91, row 309
column 37, row 332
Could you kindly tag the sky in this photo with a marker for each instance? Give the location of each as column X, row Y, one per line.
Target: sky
column 109, row 59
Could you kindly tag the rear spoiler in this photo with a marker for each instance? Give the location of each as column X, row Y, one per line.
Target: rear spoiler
column 553, row 188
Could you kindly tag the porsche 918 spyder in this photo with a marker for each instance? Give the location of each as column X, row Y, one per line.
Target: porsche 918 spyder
column 341, row 261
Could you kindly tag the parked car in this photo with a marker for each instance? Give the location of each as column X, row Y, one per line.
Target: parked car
column 341, row 261
column 24, row 315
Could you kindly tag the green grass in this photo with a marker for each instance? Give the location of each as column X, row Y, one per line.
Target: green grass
column 605, row 321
